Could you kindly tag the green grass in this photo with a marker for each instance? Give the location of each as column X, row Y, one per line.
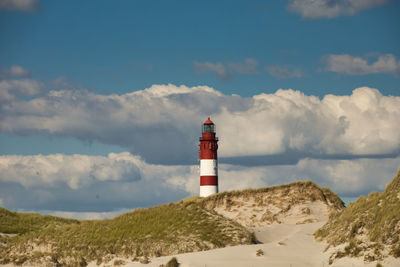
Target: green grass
column 377, row 216
column 164, row 230
column 188, row 225
column 298, row 191
column 19, row 223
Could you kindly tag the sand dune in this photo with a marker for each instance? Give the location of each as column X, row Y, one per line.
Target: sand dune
column 283, row 245
column 289, row 243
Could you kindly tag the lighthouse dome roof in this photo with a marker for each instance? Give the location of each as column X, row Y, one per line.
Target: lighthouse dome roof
column 208, row 121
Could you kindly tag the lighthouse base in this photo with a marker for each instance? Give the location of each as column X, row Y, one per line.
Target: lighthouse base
column 206, row 190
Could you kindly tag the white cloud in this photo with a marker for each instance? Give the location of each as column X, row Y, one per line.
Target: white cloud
column 20, row 5
column 75, row 171
column 12, row 89
column 284, row 72
column 350, row 65
column 218, row 69
column 226, row 71
column 141, row 121
column 247, row 67
column 63, row 83
column 346, row 177
column 162, row 123
column 316, row 9
column 363, row 123
column 86, row 215
column 82, row 183
column 93, row 187
column 13, row 72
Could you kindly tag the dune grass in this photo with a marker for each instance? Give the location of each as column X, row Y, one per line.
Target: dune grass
column 298, row 191
column 375, row 217
column 188, row 225
column 164, row 230
column 20, row 223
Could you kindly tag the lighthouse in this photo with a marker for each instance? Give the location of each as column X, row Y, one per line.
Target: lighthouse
column 208, row 160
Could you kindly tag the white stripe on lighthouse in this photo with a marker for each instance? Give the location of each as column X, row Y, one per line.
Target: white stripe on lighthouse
column 208, row 167
column 206, row 190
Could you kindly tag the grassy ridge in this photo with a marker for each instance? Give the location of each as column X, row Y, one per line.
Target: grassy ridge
column 20, row 223
column 367, row 225
column 298, row 191
column 186, row 226
column 164, row 230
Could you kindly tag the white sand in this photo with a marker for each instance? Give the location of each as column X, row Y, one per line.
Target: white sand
column 283, row 245
column 286, row 244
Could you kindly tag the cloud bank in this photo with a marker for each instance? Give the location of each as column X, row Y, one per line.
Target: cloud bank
column 350, row 143
column 284, row 72
column 317, row 9
column 225, row 72
column 75, row 171
column 14, row 72
column 162, row 123
column 92, row 187
column 81, row 183
column 350, row 65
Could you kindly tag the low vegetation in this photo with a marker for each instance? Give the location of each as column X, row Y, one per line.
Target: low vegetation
column 20, row 223
column 164, row 230
column 259, row 252
column 369, row 227
column 192, row 224
column 297, row 192
column 300, row 201
column 172, row 263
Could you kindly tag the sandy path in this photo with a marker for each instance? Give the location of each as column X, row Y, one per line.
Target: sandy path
column 283, row 245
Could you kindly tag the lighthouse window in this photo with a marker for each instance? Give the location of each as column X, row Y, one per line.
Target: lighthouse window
column 208, row 128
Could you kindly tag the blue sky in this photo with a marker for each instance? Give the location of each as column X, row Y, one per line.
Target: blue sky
column 130, row 45
column 73, row 76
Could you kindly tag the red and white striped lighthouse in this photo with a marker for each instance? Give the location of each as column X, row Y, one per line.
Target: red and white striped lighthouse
column 208, row 160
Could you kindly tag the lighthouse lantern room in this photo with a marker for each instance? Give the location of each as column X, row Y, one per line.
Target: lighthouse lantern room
column 208, row 160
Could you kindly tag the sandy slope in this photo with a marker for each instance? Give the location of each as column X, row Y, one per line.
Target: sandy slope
column 286, row 244
column 283, row 245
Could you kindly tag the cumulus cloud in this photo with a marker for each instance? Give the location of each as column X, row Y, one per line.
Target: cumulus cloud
column 14, row 83
column 20, row 5
column 350, row 65
column 284, row 72
column 349, row 178
column 14, row 72
column 81, row 183
column 364, row 123
column 93, row 187
column 151, row 122
column 316, row 9
column 75, row 171
column 226, row 71
column 218, row 69
column 64, row 84
column 13, row 89
column 249, row 66
column 162, row 123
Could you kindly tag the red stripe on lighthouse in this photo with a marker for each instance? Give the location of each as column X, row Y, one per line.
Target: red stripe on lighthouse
column 208, row 180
